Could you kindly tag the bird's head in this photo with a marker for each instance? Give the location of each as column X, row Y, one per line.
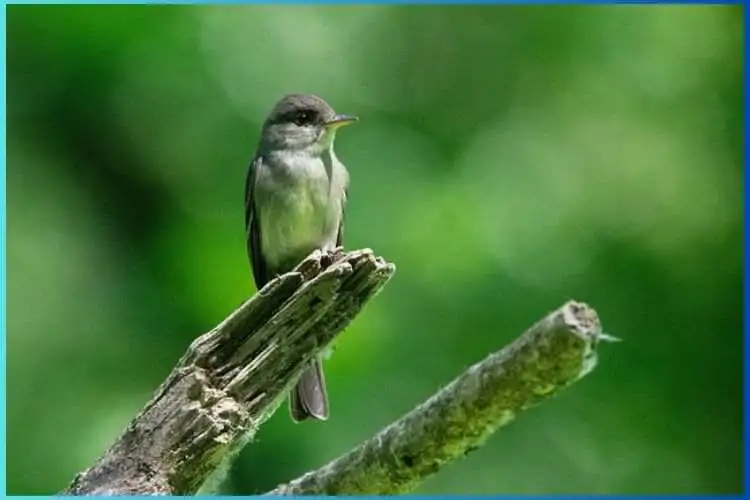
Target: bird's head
column 302, row 122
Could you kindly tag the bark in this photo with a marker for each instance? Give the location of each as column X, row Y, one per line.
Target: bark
column 551, row 355
column 233, row 378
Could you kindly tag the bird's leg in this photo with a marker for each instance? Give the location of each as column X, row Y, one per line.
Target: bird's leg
column 326, row 259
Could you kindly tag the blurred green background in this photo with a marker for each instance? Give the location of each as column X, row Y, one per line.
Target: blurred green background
column 507, row 159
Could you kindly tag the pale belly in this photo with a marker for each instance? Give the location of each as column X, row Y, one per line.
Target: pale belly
column 297, row 215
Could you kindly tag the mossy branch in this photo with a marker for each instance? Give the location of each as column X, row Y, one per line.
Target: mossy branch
column 551, row 355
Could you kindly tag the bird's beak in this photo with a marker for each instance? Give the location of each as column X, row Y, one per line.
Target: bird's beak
column 339, row 121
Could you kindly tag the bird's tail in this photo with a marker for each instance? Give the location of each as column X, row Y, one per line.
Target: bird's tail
column 309, row 399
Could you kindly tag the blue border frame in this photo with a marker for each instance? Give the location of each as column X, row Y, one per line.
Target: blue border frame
column 392, row 2
column 3, row 218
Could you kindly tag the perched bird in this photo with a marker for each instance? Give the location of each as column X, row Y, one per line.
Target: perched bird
column 295, row 197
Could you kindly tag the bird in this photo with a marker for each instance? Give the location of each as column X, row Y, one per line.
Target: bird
column 295, row 201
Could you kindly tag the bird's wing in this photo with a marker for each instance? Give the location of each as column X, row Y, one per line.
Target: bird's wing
column 252, row 227
column 340, row 236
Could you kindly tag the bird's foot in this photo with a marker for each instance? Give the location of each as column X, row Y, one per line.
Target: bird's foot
column 328, row 257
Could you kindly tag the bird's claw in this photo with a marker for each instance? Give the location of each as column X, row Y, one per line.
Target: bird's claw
column 326, row 259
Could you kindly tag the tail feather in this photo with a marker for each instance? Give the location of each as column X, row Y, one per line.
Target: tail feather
column 309, row 398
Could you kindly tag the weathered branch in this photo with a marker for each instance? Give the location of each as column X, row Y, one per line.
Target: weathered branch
column 554, row 353
column 233, row 378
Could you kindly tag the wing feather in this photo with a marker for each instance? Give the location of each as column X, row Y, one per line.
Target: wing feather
column 252, row 227
column 340, row 235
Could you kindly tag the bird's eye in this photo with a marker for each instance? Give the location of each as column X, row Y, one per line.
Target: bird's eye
column 303, row 118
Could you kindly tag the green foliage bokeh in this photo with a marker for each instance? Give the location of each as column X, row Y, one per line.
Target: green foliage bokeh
column 507, row 159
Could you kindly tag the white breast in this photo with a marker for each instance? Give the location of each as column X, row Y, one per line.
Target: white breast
column 299, row 207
